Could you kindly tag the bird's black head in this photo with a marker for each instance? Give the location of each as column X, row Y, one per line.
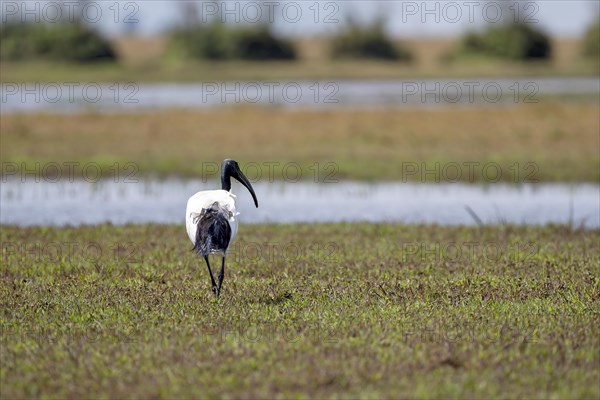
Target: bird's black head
column 231, row 169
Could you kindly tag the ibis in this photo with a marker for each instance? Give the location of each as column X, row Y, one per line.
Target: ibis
column 211, row 219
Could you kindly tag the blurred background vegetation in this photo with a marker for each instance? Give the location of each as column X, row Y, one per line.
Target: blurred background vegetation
column 218, row 41
column 563, row 131
column 356, row 49
column 366, row 42
column 511, row 41
column 591, row 41
column 65, row 41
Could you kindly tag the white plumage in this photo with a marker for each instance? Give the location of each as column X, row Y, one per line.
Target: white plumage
column 205, row 199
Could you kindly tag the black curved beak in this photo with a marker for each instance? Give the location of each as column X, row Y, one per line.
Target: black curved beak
column 241, row 178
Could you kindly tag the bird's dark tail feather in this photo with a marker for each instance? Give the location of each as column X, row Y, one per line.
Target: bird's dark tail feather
column 213, row 231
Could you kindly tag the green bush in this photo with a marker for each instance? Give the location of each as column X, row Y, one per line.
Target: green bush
column 591, row 41
column 260, row 44
column 513, row 41
column 60, row 42
column 218, row 41
column 212, row 42
column 370, row 42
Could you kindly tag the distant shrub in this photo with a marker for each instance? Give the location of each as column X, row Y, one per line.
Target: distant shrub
column 260, row 44
column 68, row 41
column 369, row 42
column 514, row 41
column 218, row 41
column 591, row 41
column 214, row 42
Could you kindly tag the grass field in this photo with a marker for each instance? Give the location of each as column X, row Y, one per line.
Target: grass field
column 277, row 70
column 549, row 141
column 340, row 310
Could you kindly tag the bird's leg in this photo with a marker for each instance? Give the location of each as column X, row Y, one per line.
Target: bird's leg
column 221, row 276
column 212, row 278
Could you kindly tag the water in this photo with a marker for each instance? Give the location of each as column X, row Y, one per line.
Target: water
column 164, row 201
column 414, row 93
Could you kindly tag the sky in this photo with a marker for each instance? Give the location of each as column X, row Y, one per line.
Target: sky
column 430, row 18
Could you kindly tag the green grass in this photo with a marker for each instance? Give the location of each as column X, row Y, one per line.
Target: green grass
column 44, row 71
column 336, row 310
column 548, row 141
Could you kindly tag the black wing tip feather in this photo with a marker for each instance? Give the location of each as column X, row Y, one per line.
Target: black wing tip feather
column 213, row 231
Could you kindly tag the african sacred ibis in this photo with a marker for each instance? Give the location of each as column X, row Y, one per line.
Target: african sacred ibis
column 211, row 218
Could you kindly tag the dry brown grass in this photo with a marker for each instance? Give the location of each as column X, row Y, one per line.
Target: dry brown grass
column 566, row 51
column 562, row 139
column 133, row 50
